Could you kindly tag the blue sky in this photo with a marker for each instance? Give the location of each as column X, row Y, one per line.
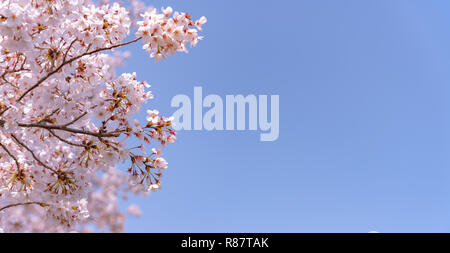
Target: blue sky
column 364, row 122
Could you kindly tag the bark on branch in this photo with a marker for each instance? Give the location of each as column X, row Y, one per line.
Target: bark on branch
column 23, row 204
column 72, row 130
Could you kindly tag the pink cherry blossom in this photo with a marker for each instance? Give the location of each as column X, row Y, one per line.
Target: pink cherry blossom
column 65, row 114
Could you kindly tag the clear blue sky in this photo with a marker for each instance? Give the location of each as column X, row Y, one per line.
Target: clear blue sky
column 364, row 119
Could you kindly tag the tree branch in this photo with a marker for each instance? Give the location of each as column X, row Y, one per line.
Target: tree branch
column 34, row 156
column 72, row 60
column 68, row 49
column 25, row 203
column 66, row 141
column 49, row 115
column 11, row 155
column 69, row 129
column 75, row 120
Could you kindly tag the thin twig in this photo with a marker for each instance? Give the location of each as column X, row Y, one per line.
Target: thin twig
column 25, row 203
column 68, row 49
column 66, row 141
column 69, row 129
column 51, row 114
column 32, row 153
column 75, row 120
column 11, row 155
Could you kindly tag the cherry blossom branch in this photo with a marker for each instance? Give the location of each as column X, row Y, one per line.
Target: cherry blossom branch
column 14, row 70
column 66, row 156
column 73, row 130
column 34, row 156
column 23, row 204
column 11, row 155
column 68, row 49
column 49, row 115
column 75, row 120
column 72, row 60
column 66, row 141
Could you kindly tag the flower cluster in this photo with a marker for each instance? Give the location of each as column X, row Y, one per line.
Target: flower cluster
column 65, row 115
column 164, row 34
